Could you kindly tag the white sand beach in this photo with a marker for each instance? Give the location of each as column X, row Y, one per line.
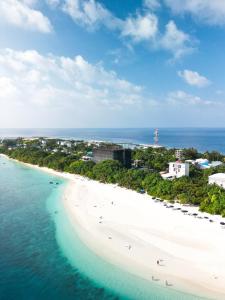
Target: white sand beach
column 145, row 238
column 132, row 231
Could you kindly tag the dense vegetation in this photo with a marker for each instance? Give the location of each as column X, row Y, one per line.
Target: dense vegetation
column 193, row 190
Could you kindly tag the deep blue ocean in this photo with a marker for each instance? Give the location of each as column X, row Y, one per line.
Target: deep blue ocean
column 42, row 257
column 202, row 139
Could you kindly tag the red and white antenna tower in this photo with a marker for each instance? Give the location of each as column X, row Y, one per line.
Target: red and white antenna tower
column 156, row 136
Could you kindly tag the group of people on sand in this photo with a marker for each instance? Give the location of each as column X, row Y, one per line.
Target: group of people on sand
column 159, row 263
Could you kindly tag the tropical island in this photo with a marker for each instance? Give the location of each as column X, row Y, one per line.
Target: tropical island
column 136, row 213
column 143, row 173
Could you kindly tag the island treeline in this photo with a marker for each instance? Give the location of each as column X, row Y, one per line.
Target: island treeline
column 187, row 190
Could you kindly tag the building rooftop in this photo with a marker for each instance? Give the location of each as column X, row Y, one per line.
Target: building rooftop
column 109, row 147
column 216, row 163
column 218, row 176
column 178, row 162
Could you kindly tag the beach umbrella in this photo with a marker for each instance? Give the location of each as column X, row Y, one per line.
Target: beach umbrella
column 222, row 223
column 184, row 211
column 195, row 214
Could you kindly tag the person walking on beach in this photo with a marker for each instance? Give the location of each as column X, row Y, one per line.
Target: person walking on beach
column 168, row 284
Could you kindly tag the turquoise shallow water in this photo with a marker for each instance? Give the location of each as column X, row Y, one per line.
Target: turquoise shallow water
column 41, row 257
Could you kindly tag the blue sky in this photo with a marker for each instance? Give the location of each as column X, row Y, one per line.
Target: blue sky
column 112, row 63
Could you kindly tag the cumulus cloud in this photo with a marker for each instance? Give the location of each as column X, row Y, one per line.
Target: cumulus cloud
column 176, row 41
column 141, row 28
column 152, row 4
column 183, row 98
column 145, row 29
column 90, row 13
column 56, row 91
column 21, row 14
column 35, row 82
column 194, row 78
column 137, row 28
column 208, row 11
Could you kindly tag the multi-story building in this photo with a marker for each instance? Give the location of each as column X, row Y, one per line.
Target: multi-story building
column 178, row 169
column 113, row 153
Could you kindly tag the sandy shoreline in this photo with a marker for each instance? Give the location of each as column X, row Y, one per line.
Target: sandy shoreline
column 135, row 232
column 132, row 231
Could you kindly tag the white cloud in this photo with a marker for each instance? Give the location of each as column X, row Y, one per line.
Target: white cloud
column 176, row 41
column 69, row 86
column 90, row 13
column 208, row 11
column 55, row 91
column 183, row 98
column 152, row 4
column 20, row 14
column 141, row 28
column 194, row 78
column 53, row 3
column 7, row 89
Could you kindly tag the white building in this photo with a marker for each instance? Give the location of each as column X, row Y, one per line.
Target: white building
column 65, row 143
column 218, row 179
column 178, row 169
